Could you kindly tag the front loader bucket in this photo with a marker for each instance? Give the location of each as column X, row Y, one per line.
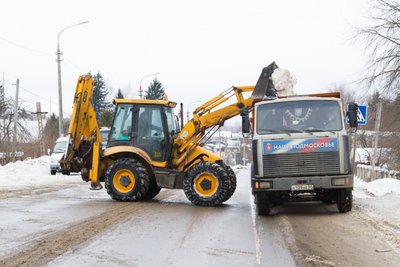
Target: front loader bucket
column 264, row 86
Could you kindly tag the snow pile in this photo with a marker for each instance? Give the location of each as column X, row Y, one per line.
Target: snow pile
column 30, row 172
column 38, row 166
column 283, row 81
column 380, row 187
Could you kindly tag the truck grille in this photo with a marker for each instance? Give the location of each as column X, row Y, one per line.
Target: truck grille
column 296, row 164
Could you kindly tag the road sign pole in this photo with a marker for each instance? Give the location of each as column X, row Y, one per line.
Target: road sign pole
column 354, row 152
column 374, row 154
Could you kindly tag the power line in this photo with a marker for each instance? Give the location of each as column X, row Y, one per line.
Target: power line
column 25, row 47
column 26, row 90
column 32, row 93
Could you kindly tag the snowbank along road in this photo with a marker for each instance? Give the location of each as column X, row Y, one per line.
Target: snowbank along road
column 57, row 221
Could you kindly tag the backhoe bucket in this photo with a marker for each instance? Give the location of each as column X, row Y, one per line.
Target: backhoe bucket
column 264, row 86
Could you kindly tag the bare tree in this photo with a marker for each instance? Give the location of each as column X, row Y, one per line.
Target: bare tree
column 382, row 42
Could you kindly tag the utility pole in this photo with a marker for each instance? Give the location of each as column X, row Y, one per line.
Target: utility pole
column 354, row 151
column 377, row 127
column 14, row 144
column 2, row 104
column 59, row 53
column 60, row 109
column 40, row 127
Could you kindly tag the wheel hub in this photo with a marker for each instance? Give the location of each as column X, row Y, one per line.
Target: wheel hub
column 125, row 181
column 205, row 184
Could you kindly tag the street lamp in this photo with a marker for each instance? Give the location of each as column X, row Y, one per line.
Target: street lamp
column 140, row 88
column 58, row 53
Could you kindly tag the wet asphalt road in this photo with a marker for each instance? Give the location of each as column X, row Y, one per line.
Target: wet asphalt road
column 72, row 226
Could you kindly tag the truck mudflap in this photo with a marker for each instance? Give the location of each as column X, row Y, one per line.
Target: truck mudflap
column 302, row 184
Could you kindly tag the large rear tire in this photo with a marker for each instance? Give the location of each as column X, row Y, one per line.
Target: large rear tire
column 344, row 200
column 127, row 180
column 206, row 184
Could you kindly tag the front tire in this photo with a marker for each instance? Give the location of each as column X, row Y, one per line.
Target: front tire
column 127, row 180
column 206, row 184
column 344, row 200
column 232, row 181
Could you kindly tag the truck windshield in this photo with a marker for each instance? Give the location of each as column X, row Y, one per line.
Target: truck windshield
column 299, row 116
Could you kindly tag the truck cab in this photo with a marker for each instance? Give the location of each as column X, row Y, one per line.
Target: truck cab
column 301, row 152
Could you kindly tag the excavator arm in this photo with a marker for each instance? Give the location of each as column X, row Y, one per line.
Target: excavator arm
column 83, row 152
column 208, row 115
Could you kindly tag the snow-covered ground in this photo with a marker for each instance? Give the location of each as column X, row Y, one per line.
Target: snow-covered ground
column 379, row 200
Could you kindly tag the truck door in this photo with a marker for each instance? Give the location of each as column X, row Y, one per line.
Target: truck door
column 151, row 132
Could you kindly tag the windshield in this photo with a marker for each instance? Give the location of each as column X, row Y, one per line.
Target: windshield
column 60, row 147
column 299, row 116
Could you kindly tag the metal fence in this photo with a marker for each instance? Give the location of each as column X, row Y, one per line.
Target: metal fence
column 364, row 173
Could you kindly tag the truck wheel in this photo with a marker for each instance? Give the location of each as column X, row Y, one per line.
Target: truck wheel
column 262, row 203
column 153, row 191
column 127, row 180
column 344, row 200
column 232, row 181
column 53, row 172
column 206, row 184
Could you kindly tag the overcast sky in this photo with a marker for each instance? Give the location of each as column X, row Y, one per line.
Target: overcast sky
column 199, row 47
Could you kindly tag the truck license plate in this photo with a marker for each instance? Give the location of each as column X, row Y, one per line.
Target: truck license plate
column 298, row 187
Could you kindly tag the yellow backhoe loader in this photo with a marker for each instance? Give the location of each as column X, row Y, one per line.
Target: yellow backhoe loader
column 147, row 151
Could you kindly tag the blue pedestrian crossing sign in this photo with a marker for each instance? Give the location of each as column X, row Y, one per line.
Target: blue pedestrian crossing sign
column 362, row 115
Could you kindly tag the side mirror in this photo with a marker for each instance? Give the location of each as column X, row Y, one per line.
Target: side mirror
column 352, row 115
column 245, row 121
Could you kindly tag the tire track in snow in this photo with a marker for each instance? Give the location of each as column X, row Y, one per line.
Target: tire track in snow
column 43, row 249
column 30, row 191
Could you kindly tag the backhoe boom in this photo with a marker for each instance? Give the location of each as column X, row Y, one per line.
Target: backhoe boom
column 85, row 139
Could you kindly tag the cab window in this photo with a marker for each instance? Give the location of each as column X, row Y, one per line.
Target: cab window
column 122, row 127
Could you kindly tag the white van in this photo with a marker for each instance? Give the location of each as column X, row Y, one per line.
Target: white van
column 58, row 151
column 104, row 131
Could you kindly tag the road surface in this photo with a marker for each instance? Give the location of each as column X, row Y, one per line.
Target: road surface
column 69, row 225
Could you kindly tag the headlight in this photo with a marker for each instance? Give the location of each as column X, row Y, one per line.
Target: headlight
column 340, row 181
column 263, row 185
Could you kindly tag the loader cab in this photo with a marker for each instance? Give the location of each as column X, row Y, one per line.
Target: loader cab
column 145, row 124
